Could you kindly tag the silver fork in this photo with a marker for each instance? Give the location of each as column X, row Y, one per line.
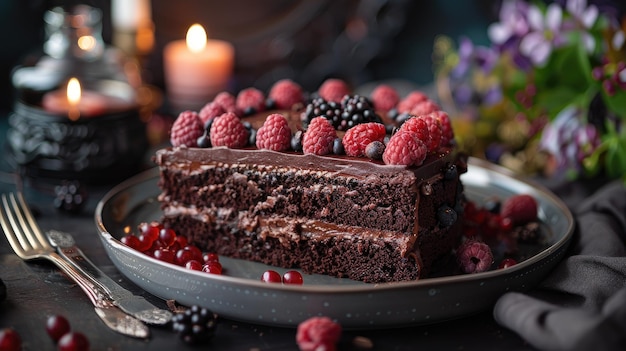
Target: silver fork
column 29, row 243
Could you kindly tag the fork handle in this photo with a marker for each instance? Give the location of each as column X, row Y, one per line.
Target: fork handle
column 110, row 314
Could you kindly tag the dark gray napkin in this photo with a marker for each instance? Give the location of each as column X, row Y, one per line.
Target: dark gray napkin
column 581, row 305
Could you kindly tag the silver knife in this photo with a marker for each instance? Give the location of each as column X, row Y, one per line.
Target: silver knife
column 130, row 303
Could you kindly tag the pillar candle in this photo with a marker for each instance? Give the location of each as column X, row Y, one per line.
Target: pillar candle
column 196, row 69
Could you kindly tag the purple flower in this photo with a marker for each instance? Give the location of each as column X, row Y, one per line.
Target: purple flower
column 513, row 23
column 544, row 35
column 569, row 139
column 584, row 17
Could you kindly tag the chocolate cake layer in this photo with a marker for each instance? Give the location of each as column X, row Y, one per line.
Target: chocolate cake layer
column 340, row 216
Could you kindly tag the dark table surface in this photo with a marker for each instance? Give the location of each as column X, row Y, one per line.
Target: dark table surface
column 36, row 290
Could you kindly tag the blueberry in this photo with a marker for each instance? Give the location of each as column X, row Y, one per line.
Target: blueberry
column 446, row 216
column 375, row 150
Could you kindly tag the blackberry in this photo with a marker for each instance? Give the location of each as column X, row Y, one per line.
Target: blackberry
column 357, row 109
column 320, row 107
column 70, row 196
column 196, row 325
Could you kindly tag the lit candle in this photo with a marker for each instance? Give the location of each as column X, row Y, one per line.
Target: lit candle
column 196, row 69
column 76, row 102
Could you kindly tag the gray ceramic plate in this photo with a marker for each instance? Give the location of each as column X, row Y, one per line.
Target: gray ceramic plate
column 239, row 295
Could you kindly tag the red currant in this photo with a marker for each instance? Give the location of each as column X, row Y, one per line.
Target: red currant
column 57, row 326
column 507, row 262
column 293, row 277
column 10, row 340
column 183, row 256
column 195, row 251
column 167, row 236
column 131, row 241
column 210, row 257
column 145, row 242
column 73, row 341
column 212, row 267
column 182, row 241
column 271, row 276
column 164, row 255
column 193, row 265
column 150, row 230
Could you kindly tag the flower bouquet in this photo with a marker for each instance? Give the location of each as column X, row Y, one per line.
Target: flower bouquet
column 548, row 96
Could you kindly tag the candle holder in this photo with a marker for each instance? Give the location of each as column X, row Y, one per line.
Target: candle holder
column 46, row 137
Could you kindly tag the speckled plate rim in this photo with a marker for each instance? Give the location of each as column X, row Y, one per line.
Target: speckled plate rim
column 481, row 173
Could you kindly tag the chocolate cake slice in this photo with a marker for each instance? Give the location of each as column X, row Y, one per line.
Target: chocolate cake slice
column 341, row 216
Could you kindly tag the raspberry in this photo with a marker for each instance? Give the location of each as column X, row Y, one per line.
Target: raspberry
column 318, row 138
column 186, row 129
column 318, row 333
column 424, row 107
column 250, row 100
column 521, row 209
column 210, row 111
column 274, row 134
column 447, row 134
column 227, row 130
column 418, row 126
column 333, row 90
column 384, row 97
column 404, row 148
column 435, row 130
column 474, row 256
column 358, row 137
column 285, row 93
column 414, row 97
column 227, row 101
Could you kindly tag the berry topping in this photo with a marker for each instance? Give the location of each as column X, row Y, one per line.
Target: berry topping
column 356, row 110
column 56, row 327
column 73, row 341
column 412, row 99
column 318, row 333
column 186, row 130
column 227, row 130
column 384, row 97
column 447, row 134
column 435, row 130
column 318, row 138
column 521, row 209
column 10, row 340
column 424, row 107
column 357, row 138
column 71, row 196
column 333, row 89
column 338, row 147
column 319, row 107
column 274, row 134
column 419, row 126
column 474, row 256
column 375, row 150
column 404, row 148
column 285, row 93
column 250, row 101
column 227, row 101
column 210, row 111
column 296, row 141
column 293, row 277
column 195, row 326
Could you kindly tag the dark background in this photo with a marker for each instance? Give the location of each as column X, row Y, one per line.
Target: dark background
column 308, row 41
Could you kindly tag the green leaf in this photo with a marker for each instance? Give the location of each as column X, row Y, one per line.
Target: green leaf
column 616, row 103
column 616, row 157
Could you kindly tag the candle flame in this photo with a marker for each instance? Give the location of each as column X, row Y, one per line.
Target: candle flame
column 87, row 42
column 196, row 38
column 73, row 92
